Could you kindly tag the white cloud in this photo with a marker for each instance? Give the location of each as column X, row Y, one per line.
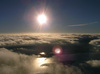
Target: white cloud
column 32, row 39
column 79, row 25
column 95, row 42
column 84, row 24
column 96, row 45
column 14, row 63
column 94, row 63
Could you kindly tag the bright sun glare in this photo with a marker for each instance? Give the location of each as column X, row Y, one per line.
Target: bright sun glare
column 42, row 19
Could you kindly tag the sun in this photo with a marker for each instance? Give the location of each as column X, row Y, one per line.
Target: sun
column 42, row 19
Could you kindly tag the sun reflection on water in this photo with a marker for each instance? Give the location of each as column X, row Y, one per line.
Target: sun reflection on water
column 39, row 63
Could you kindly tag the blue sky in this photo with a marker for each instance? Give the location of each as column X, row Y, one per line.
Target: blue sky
column 70, row 16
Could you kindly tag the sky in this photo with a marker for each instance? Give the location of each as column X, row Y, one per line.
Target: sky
column 64, row 16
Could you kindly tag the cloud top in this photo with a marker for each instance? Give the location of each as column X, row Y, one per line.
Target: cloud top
column 14, row 63
column 33, row 39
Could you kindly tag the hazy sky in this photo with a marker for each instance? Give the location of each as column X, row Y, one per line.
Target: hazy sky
column 70, row 16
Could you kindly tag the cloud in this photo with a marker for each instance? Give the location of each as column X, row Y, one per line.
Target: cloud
column 17, row 63
column 95, row 44
column 29, row 43
column 14, row 63
column 79, row 25
column 84, row 24
column 33, row 39
column 94, row 63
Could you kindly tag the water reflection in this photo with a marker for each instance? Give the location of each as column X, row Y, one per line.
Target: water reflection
column 40, row 64
column 41, row 61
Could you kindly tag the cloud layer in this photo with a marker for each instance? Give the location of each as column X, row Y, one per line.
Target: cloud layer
column 14, row 63
column 28, row 39
column 18, row 63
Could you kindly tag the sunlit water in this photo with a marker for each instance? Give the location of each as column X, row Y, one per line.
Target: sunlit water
column 43, row 65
